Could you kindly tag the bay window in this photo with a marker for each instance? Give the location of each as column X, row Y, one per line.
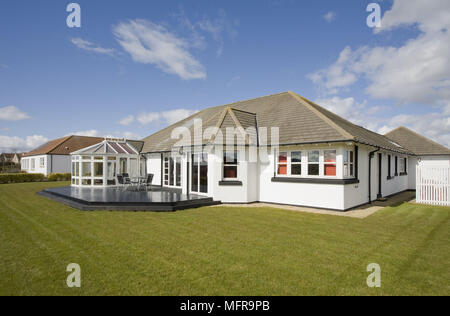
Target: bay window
column 313, row 163
column 330, row 162
column 230, row 165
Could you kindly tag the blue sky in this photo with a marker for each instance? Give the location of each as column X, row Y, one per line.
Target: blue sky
column 134, row 67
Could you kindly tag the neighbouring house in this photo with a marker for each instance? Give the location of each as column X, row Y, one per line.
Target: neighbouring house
column 11, row 157
column 54, row 156
column 426, row 152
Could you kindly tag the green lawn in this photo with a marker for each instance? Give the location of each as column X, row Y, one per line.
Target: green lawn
column 218, row 251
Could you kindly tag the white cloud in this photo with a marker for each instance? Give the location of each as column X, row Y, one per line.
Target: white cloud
column 357, row 113
column 418, row 71
column 150, row 43
column 96, row 133
column 19, row 144
column 435, row 125
column 91, row 133
column 127, row 120
column 216, row 28
column 168, row 117
column 330, row 16
column 11, row 113
column 88, row 46
column 429, row 16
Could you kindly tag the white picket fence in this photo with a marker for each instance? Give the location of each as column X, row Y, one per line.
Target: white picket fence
column 433, row 185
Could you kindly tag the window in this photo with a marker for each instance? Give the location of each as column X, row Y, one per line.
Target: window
column 330, row 162
column 296, row 163
column 313, row 163
column 282, row 163
column 42, row 162
column 98, row 169
column 349, row 163
column 123, row 165
column 230, row 165
column 33, row 164
column 396, row 166
column 75, row 169
column 86, row 169
column 389, row 167
column 166, row 170
column 403, row 166
column 134, row 167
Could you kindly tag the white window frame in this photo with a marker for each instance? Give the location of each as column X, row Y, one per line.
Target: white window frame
column 33, row 164
column 228, row 164
column 330, row 163
column 349, row 163
column 42, row 162
column 291, row 163
column 314, row 162
column 282, row 163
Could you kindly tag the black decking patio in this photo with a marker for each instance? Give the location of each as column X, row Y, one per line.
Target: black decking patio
column 117, row 199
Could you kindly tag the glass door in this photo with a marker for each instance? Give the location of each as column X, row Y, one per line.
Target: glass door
column 172, row 172
column 199, row 173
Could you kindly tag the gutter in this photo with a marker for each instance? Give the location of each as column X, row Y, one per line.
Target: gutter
column 371, row 155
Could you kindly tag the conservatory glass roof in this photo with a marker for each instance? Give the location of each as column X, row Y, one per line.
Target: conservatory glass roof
column 108, row 147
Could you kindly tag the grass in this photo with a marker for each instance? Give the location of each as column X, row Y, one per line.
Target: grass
column 217, row 250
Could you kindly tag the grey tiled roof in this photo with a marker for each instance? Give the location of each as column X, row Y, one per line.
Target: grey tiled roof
column 299, row 120
column 416, row 143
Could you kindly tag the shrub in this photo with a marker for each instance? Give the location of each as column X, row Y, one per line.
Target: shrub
column 21, row 177
column 60, row 177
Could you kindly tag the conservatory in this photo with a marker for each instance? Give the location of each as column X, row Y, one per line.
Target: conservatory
column 99, row 165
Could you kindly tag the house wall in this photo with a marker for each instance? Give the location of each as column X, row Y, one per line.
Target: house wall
column 434, row 160
column 329, row 196
column 58, row 164
column 52, row 164
column 358, row 194
column 257, row 185
column 154, row 166
column 243, row 193
column 37, row 166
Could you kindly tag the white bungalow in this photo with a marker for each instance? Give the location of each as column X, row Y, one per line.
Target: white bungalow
column 280, row 149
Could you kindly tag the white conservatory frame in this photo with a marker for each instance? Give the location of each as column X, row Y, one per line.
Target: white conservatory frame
column 103, row 162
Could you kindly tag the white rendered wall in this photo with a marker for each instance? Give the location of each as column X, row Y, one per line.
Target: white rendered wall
column 412, row 164
column 305, row 194
column 232, row 193
column 52, row 164
column 154, row 167
column 434, row 161
column 58, row 164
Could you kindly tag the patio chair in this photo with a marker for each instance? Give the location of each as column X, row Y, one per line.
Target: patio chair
column 148, row 181
column 123, row 181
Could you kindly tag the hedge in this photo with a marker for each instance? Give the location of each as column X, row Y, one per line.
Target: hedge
column 21, row 177
column 60, row 177
column 32, row 177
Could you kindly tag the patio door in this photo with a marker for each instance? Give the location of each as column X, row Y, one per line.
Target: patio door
column 199, row 173
column 172, row 171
